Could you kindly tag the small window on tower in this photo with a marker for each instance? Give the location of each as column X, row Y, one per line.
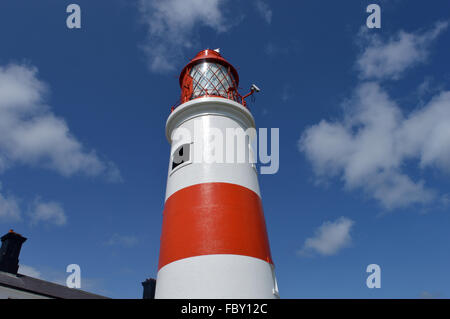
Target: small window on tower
column 181, row 156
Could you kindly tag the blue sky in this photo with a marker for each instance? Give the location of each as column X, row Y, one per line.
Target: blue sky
column 364, row 136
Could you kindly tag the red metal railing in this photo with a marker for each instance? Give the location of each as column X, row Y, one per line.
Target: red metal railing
column 237, row 98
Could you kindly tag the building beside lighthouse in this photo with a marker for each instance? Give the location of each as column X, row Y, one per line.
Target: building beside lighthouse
column 14, row 285
column 214, row 242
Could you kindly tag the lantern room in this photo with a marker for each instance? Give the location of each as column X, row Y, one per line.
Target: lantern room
column 208, row 74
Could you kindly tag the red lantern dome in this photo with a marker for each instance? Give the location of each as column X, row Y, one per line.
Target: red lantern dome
column 209, row 74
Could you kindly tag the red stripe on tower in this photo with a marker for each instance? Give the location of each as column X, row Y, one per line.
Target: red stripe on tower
column 221, row 218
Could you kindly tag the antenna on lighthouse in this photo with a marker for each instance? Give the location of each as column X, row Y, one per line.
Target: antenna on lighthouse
column 255, row 88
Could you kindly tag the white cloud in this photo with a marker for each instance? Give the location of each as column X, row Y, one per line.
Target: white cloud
column 31, row 134
column 171, row 26
column 48, row 212
column 369, row 148
column 29, row 271
column 389, row 59
column 122, row 240
column 372, row 144
column 329, row 238
column 264, row 10
column 9, row 209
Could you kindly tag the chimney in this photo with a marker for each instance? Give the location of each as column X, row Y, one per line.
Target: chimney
column 10, row 251
column 149, row 288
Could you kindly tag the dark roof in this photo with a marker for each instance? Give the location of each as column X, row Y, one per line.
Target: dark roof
column 42, row 287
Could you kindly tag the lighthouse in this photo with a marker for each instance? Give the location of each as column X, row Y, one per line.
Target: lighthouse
column 214, row 242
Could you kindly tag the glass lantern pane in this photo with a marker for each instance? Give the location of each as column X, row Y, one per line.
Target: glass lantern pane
column 210, row 79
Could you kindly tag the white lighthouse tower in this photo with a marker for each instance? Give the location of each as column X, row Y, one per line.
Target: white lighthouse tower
column 214, row 242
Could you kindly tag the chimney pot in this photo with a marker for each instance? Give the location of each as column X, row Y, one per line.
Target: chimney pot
column 10, row 251
column 149, row 288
